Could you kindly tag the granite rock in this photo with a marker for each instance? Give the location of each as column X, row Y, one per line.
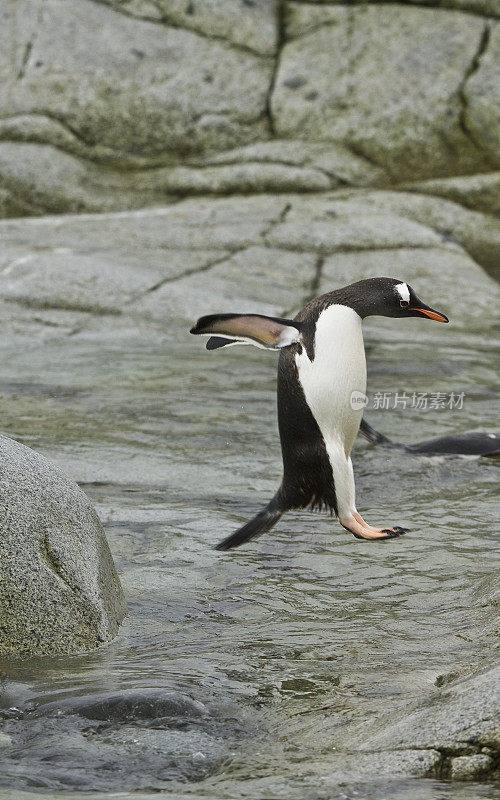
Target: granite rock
column 148, row 88
column 226, row 96
column 333, row 66
column 59, row 590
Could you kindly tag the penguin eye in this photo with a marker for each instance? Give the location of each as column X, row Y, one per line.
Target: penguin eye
column 404, row 303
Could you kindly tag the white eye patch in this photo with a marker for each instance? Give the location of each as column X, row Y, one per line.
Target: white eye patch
column 404, row 292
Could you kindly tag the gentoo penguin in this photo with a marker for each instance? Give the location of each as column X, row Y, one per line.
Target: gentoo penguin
column 463, row 444
column 321, row 367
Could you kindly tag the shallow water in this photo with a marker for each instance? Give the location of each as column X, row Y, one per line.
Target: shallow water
column 291, row 641
column 288, row 640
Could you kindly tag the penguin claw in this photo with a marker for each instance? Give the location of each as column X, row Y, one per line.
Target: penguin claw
column 392, row 533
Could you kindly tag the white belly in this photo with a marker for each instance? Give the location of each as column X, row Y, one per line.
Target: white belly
column 338, row 370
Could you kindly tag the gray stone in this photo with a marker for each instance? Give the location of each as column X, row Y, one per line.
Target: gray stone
column 212, row 224
column 477, row 233
column 469, row 768
column 414, row 129
column 148, row 88
column 481, row 96
column 252, row 25
column 415, row 763
column 244, row 178
column 222, row 97
column 486, row 7
column 59, row 591
column 43, row 130
column 479, row 192
column 333, row 159
column 48, row 180
column 38, row 178
column 251, row 279
column 302, row 19
column 45, row 167
column 127, row 705
column 352, row 231
column 97, row 282
column 5, row 741
column 462, row 721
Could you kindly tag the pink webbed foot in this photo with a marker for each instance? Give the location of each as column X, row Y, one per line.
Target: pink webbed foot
column 356, row 525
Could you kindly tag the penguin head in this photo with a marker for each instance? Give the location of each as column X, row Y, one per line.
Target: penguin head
column 390, row 297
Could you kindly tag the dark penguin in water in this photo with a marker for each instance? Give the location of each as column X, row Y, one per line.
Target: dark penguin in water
column 321, row 367
column 459, row 444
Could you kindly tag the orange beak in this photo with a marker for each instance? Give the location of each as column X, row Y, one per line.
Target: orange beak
column 431, row 314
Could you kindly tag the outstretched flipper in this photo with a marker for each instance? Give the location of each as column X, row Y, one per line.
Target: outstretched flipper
column 271, row 333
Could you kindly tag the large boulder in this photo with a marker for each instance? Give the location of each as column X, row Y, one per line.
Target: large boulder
column 148, row 89
column 481, row 95
column 335, row 65
column 59, row 590
column 220, row 97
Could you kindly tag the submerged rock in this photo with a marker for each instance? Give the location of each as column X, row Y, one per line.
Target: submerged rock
column 131, row 704
column 128, row 740
column 59, row 590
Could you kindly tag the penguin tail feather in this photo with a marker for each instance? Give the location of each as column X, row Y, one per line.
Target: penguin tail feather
column 262, row 522
column 374, row 436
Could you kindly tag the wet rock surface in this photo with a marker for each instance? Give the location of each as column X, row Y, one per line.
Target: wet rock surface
column 133, row 704
column 457, row 734
column 131, row 739
column 59, row 591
